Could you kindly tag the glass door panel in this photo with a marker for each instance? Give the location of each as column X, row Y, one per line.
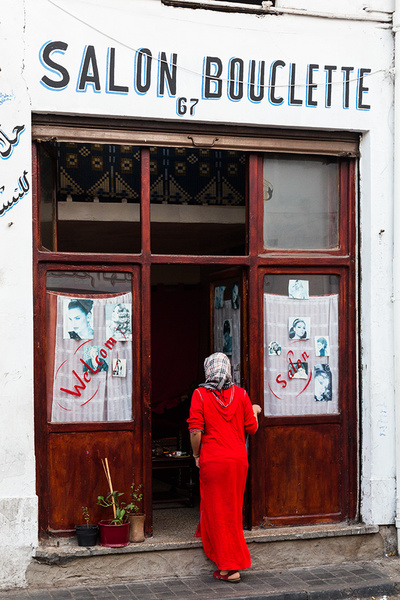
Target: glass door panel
column 301, row 344
column 226, row 302
column 89, row 346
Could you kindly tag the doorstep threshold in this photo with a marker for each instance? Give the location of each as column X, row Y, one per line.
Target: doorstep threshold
column 62, row 550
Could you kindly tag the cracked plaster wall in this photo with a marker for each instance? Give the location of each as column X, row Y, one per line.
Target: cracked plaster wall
column 18, row 502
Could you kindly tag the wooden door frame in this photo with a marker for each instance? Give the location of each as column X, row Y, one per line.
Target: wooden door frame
column 253, row 262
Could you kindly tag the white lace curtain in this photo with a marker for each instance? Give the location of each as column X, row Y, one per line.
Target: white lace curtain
column 293, row 396
column 79, row 394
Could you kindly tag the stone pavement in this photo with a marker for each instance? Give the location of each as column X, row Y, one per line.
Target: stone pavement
column 376, row 579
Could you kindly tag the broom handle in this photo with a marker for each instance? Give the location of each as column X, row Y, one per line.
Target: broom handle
column 108, row 477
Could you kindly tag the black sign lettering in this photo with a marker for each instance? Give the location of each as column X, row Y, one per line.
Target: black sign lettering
column 212, row 79
column 7, row 143
column 328, row 94
column 292, row 100
column 143, row 70
column 61, row 83
column 112, row 87
column 260, row 83
column 167, row 74
column 236, row 74
column 311, row 86
column 272, row 98
column 346, row 86
column 362, row 89
column 89, row 72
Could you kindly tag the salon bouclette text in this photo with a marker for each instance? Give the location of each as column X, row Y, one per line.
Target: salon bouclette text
column 278, row 82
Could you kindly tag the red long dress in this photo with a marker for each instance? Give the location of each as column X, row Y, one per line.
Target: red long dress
column 223, row 471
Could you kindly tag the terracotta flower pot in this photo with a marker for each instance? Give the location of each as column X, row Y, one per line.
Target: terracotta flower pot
column 136, row 528
column 113, row 535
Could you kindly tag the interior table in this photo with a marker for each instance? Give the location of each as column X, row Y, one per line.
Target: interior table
column 182, row 464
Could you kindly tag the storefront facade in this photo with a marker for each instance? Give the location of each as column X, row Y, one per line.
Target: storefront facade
column 201, row 176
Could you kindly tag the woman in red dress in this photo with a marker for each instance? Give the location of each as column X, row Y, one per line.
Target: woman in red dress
column 220, row 415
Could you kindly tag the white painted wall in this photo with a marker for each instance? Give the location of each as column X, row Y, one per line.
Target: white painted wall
column 18, row 502
column 341, row 7
column 376, row 334
column 27, row 26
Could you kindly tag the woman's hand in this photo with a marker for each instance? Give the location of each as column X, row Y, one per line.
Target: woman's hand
column 256, row 409
column 197, row 461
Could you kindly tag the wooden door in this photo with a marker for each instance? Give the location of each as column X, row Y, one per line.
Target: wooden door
column 229, row 334
column 304, row 346
column 90, row 407
column 307, row 399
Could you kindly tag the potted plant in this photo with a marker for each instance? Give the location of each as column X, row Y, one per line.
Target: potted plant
column 114, row 532
column 86, row 534
column 136, row 518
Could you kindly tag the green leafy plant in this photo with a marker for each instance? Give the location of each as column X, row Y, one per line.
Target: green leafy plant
column 85, row 513
column 136, row 498
column 112, row 500
column 121, row 510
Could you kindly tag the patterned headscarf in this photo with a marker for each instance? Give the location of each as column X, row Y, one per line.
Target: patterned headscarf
column 217, row 369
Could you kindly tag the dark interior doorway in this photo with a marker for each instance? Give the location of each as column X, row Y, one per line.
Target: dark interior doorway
column 180, row 341
column 183, row 326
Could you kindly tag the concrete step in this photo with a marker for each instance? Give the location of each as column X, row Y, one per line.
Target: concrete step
column 61, row 563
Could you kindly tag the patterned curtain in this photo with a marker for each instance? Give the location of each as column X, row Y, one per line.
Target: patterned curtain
column 111, row 173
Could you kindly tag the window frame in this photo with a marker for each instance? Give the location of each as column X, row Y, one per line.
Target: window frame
column 345, row 218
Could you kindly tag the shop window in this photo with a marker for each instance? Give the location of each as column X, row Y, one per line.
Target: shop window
column 93, row 192
column 198, row 199
column 301, row 344
column 301, row 200
column 91, row 199
column 89, row 346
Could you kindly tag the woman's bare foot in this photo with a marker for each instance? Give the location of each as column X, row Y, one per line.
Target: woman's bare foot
column 233, row 575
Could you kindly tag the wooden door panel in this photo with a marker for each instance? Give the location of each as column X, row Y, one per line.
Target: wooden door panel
column 303, row 473
column 76, row 475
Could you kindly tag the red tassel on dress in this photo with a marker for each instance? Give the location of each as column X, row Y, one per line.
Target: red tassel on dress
column 223, row 471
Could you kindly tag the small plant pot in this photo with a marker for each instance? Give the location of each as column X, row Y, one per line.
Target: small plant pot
column 113, row 535
column 87, row 534
column 136, row 528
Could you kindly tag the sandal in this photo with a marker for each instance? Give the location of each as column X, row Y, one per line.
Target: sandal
column 217, row 575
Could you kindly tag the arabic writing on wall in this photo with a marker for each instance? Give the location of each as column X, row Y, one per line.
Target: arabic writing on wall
column 7, row 145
